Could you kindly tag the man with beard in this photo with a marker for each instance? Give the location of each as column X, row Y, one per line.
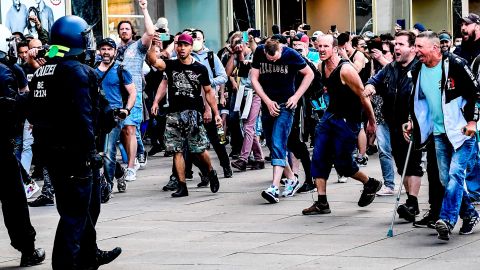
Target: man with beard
column 186, row 79
column 132, row 55
column 108, row 72
column 470, row 47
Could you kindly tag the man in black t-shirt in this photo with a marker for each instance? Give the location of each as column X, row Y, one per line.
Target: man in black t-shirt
column 273, row 72
column 186, row 79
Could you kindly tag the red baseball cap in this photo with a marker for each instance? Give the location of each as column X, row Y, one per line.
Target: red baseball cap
column 185, row 38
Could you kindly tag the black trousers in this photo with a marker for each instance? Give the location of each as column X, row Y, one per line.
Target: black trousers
column 77, row 191
column 14, row 202
column 300, row 150
column 436, row 190
column 220, row 149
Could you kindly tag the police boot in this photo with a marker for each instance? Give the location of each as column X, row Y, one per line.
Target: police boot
column 182, row 190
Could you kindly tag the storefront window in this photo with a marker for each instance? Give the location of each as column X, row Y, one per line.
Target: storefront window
column 243, row 14
column 363, row 16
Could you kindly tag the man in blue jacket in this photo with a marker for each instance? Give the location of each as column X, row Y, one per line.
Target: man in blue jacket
column 443, row 103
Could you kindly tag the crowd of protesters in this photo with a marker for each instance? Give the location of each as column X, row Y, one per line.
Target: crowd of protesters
column 347, row 96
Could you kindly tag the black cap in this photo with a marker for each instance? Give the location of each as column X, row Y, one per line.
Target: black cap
column 107, row 41
column 471, row 18
column 280, row 38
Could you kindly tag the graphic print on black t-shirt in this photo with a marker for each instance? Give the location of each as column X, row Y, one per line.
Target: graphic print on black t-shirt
column 185, row 85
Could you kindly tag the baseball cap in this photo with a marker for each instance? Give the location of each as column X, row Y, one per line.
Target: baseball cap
column 280, row 38
column 107, row 41
column 471, row 18
column 444, row 36
column 317, row 33
column 185, row 38
column 301, row 37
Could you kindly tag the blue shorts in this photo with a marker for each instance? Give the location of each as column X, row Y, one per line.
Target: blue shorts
column 135, row 117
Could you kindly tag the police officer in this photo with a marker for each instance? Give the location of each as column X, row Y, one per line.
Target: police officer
column 12, row 193
column 65, row 107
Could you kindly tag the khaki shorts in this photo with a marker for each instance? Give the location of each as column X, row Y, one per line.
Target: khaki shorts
column 184, row 128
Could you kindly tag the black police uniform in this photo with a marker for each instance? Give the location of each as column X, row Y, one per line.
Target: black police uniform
column 12, row 193
column 64, row 108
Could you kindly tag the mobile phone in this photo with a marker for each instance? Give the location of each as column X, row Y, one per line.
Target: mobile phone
column 401, row 22
column 245, row 36
column 255, row 33
column 306, row 27
column 164, row 36
column 41, row 53
column 333, row 28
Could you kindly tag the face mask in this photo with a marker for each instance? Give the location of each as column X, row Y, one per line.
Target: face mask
column 458, row 43
column 197, row 45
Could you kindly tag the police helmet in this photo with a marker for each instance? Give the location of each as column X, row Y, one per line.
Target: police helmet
column 70, row 35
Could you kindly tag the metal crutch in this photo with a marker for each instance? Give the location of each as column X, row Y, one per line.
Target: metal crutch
column 390, row 229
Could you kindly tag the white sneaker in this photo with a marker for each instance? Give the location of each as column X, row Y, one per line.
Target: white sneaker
column 137, row 165
column 342, row 179
column 386, row 191
column 291, row 186
column 142, row 159
column 31, row 189
column 130, row 175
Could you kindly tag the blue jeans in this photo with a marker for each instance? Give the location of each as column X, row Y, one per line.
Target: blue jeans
column 452, row 166
column 385, row 155
column 335, row 140
column 110, row 151
column 473, row 174
column 278, row 129
column 27, row 154
column 140, row 147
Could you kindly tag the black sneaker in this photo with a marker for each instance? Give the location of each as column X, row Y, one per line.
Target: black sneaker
column 428, row 221
column 258, row 165
column 204, row 181
column 182, row 190
column 317, row 209
column 362, row 162
column 106, row 257
column 408, row 212
column 172, row 184
column 214, row 183
column 119, row 171
column 369, row 190
column 155, row 150
column 32, row 258
column 469, row 224
column 307, row 188
column 227, row 172
column 239, row 164
column 371, row 149
column 443, row 229
column 42, row 200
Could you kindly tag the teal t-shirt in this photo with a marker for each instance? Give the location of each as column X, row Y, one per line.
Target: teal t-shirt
column 430, row 80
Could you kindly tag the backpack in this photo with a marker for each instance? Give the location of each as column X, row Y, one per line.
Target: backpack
column 211, row 62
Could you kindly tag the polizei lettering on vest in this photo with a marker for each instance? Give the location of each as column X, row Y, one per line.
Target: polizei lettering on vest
column 45, row 70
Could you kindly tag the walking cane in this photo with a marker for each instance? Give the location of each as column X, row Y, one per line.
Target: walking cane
column 390, row 230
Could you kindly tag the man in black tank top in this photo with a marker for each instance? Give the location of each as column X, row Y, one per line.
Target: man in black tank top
column 336, row 133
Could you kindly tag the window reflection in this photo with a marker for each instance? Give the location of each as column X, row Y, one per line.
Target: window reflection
column 363, row 16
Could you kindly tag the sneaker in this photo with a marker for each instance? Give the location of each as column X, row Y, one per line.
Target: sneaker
column 106, row 257
column 105, row 193
column 239, row 164
column 172, row 184
column 155, row 150
column 469, row 224
column 227, row 172
column 34, row 258
column 119, row 171
column 168, row 154
column 142, row 159
column 408, row 212
column 362, row 161
column 369, row 190
column 182, row 190
column 214, row 183
column 42, row 200
column 130, row 175
column 121, row 185
column 31, row 189
column 443, row 229
column 307, row 188
column 372, row 149
column 291, row 186
column 204, row 181
column 317, row 209
column 428, row 221
column 233, row 155
column 386, row 191
column 283, row 181
column 137, row 165
column 271, row 194
column 342, row 179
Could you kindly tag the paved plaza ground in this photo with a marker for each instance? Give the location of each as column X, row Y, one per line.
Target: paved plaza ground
column 237, row 229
